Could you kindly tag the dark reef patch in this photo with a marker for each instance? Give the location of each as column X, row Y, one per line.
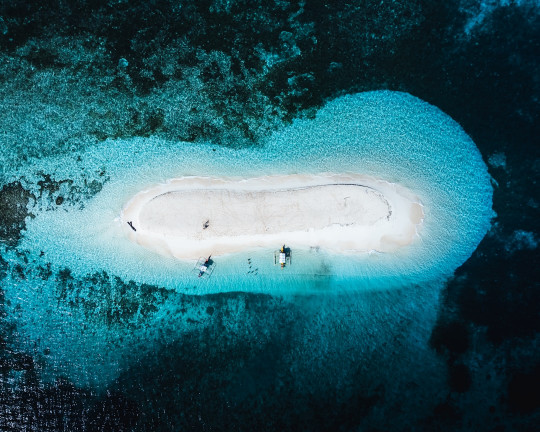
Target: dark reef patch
column 524, row 391
column 53, row 192
column 500, row 291
column 43, row 58
column 445, row 414
column 108, row 298
column 20, row 198
column 459, row 378
column 450, row 337
column 3, row 268
column 253, row 59
column 14, row 201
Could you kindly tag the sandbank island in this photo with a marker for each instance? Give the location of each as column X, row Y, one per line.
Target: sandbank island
column 197, row 216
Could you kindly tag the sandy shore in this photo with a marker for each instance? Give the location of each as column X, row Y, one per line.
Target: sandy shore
column 197, row 216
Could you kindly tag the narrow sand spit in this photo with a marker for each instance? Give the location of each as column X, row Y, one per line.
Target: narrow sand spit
column 345, row 213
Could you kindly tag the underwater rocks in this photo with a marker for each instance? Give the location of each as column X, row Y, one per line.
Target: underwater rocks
column 523, row 393
column 450, row 337
column 52, row 193
column 489, row 309
column 3, row 268
column 499, row 291
column 207, row 70
column 108, row 299
column 197, row 76
column 14, row 200
column 459, row 378
column 17, row 201
column 226, row 70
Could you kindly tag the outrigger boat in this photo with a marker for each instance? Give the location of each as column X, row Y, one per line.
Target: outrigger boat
column 283, row 256
column 205, row 266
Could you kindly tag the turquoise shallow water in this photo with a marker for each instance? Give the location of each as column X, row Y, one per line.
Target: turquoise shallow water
column 95, row 324
column 388, row 135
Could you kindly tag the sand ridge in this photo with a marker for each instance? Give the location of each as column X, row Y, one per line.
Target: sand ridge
column 345, row 213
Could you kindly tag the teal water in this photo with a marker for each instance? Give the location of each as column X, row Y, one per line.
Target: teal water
column 388, row 135
column 79, row 315
column 381, row 343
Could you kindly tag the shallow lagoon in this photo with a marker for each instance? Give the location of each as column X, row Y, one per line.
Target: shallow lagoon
column 111, row 303
column 387, row 135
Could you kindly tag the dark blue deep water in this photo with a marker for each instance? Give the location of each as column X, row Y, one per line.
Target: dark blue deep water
column 93, row 350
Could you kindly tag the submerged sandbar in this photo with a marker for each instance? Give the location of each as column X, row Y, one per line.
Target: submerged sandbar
column 193, row 216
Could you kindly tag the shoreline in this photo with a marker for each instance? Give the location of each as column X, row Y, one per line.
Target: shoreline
column 190, row 217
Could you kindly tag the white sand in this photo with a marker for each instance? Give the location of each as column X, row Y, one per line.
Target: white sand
column 337, row 212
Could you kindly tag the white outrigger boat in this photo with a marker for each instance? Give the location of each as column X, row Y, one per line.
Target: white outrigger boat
column 283, row 256
column 205, row 266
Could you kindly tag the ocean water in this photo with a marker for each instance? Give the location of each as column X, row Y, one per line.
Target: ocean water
column 388, row 135
column 391, row 136
column 103, row 99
